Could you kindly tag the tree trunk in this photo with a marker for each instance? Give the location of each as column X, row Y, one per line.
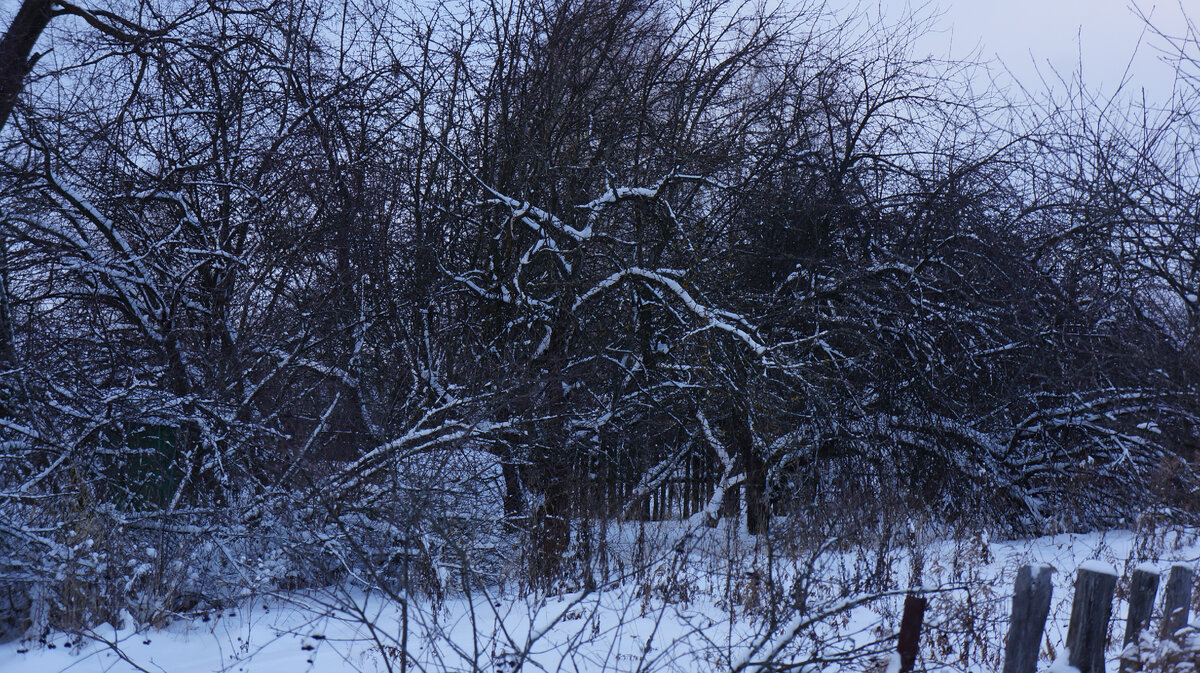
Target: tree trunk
column 15, row 49
column 514, row 504
column 758, row 513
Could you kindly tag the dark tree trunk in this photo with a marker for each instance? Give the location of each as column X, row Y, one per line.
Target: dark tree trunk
column 758, row 514
column 514, row 504
column 553, row 529
column 15, row 50
column 15, row 64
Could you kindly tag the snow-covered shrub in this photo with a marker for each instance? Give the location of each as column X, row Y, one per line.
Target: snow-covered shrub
column 1179, row 653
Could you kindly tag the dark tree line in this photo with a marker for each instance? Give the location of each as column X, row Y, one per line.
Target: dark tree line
column 297, row 271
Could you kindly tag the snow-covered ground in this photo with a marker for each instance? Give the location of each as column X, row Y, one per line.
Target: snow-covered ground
column 710, row 601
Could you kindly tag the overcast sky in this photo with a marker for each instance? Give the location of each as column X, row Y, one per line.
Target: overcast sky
column 1028, row 33
column 1029, row 36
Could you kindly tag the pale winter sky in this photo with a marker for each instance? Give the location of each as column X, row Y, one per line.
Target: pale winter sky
column 1025, row 33
column 1032, row 36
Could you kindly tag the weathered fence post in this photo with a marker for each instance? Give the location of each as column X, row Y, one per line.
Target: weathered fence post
column 1143, row 587
column 1176, row 599
column 1031, row 606
column 910, row 631
column 1090, row 611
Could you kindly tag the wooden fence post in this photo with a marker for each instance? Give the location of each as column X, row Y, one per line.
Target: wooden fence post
column 1176, row 599
column 1031, row 606
column 1090, row 611
column 1143, row 587
column 910, row 631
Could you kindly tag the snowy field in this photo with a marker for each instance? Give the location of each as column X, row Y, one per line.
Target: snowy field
column 708, row 600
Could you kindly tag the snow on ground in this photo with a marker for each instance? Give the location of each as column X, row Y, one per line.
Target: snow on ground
column 687, row 608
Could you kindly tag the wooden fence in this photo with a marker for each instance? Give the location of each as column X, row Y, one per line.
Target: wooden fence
column 1091, row 610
